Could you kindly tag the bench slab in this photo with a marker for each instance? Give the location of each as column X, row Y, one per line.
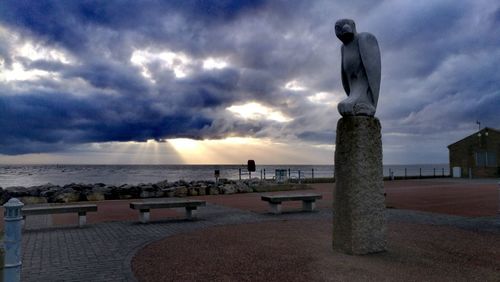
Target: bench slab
column 145, row 206
column 80, row 209
column 291, row 197
column 170, row 203
column 308, row 201
column 58, row 209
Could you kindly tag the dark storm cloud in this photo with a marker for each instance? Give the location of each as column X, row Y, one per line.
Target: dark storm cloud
column 50, row 121
column 110, row 75
column 323, row 137
column 439, row 70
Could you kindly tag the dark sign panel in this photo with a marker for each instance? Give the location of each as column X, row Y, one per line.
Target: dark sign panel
column 251, row 165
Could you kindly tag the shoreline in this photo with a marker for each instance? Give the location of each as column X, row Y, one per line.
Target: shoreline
column 80, row 192
column 118, row 175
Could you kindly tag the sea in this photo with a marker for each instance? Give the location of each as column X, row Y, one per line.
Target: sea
column 32, row 175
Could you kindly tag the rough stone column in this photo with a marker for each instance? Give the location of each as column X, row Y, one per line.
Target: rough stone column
column 359, row 202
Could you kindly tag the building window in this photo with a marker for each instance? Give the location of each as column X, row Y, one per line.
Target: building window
column 485, row 158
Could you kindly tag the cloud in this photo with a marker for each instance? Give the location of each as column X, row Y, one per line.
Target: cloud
column 133, row 71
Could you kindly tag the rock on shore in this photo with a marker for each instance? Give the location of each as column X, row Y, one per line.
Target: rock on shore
column 74, row 192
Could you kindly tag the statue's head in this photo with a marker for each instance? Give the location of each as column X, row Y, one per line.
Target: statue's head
column 345, row 29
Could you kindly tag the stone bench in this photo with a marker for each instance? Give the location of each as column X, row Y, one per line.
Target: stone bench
column 80, row 209
column 145, row 206
column 308, row 201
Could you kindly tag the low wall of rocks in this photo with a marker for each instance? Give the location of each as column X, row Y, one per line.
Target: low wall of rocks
column 50, row 193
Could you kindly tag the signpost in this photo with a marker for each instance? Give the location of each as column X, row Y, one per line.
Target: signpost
column 251, row 168
column 217, row 174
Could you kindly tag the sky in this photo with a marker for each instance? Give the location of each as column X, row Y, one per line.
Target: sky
column 207, row 82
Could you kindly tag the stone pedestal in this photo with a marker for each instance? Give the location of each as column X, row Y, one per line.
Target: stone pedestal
column 359, row 204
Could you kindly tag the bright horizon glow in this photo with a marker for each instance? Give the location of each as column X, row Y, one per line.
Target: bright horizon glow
column 227, row 151
column 237, row 150
column 256, row 111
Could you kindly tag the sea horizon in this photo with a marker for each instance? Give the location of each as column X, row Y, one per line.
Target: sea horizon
column 61, row 174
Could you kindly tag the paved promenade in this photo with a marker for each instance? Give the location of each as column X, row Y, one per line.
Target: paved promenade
column 103, row 250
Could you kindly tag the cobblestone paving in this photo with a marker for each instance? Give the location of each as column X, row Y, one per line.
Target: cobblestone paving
column 103, row 251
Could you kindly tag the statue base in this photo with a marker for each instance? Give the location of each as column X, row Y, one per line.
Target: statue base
column 359, row 223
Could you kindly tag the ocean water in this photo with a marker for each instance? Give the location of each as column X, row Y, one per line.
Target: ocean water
column 30, row 175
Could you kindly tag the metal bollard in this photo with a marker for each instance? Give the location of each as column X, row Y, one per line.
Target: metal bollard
column 12, row 241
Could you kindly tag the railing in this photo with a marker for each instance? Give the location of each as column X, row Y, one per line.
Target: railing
column 414, row 172
column 313, row 175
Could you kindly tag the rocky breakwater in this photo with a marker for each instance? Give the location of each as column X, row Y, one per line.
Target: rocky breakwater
column 75, row 192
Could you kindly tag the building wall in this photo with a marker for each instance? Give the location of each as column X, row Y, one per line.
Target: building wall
column 462, row 153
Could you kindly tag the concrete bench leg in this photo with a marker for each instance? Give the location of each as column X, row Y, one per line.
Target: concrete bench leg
column 308, row 205
column 190, row 212
column 144, row 216
column 275, row 207
column 82, row 218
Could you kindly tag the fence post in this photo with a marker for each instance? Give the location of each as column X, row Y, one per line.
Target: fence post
column 239, row 171
column 299, row 175
column 261, row 174
column 312, row 174
column 12, row 241
column 434, row 172
column 264, row 174
column 420, row 173
column 289, row 173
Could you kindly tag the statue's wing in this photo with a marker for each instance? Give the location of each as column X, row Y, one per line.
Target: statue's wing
column 345, row 83
column 370, row 55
